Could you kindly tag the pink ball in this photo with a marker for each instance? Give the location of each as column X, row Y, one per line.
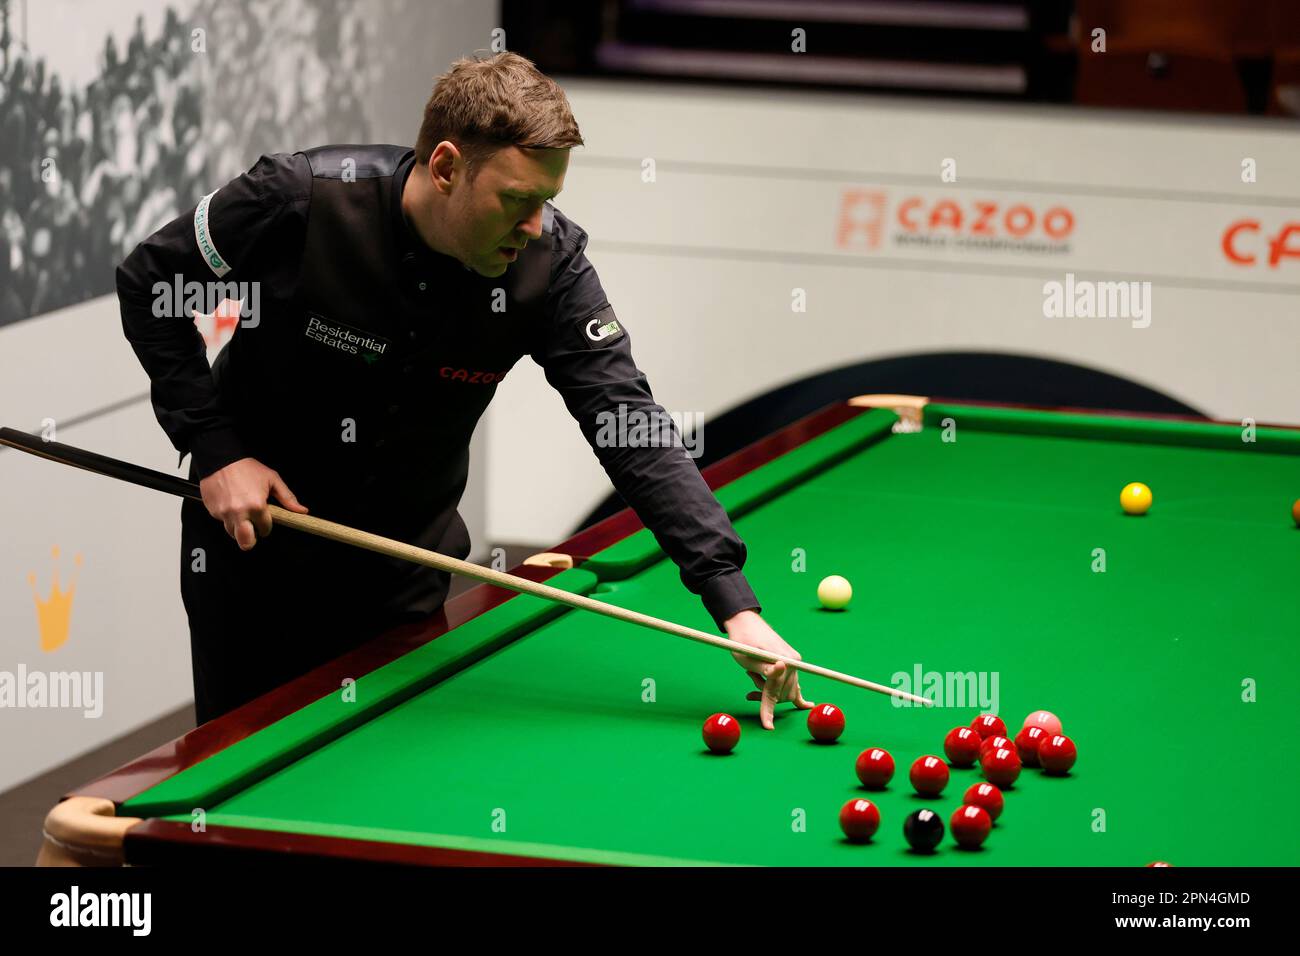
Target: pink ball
column 1045, row 719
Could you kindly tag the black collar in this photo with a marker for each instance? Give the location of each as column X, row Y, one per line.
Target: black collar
column 410, row 247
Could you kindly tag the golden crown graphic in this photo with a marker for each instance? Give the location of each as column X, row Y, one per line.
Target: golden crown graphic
column 54, row 614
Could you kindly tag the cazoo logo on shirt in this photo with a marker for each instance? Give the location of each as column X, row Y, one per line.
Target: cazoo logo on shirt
column 470, row 376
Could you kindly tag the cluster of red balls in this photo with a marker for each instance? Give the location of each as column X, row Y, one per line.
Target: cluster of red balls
column 1039, row 743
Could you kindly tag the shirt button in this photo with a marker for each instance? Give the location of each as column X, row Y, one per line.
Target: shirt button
column 424, row 286
column 411, row 335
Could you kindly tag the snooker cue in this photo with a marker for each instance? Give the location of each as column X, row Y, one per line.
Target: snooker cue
column 180, row 487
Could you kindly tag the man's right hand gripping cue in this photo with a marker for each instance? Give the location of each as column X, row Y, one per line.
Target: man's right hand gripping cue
column 237, row 496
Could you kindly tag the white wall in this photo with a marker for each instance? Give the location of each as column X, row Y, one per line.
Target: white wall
column 749, row 193
column 127, row 620
column 127, row 623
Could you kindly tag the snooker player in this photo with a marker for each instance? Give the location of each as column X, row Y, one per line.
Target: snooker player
column 396, row 289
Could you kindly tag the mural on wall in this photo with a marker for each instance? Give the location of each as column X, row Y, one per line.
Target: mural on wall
column 99, row 150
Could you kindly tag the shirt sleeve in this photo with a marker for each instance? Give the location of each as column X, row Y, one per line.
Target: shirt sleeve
column 586, row 355
column 240, row 233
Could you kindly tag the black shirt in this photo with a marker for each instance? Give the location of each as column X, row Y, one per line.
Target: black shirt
column 366, row 359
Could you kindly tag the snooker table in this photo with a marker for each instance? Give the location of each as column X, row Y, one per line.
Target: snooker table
column 507, row 730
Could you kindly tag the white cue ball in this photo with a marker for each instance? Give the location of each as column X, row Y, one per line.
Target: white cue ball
column 834, row 592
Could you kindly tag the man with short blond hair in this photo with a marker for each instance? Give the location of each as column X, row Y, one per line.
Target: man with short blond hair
column 377, row 344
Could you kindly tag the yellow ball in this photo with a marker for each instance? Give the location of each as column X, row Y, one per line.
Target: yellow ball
column 1135, row 499
column 834, row 592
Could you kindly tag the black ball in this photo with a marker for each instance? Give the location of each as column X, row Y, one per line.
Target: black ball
column 923, row 830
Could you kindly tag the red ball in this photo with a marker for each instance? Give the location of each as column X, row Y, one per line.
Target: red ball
column 875, row 768
column 996, row 742
column 962, row 745
column 987, row 796
column 1295, row 512
column 986, row 725
column 1001, row 767
column 825, row 723
column 970, row 826
column 1057, row 754
column 721, row 733
column 1158, row 864
column 859, row 819
column 929, row 776
column 1027, row 742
